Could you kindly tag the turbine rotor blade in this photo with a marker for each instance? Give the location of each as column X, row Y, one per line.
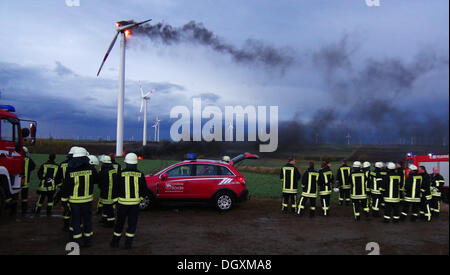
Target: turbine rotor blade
column 108, row 51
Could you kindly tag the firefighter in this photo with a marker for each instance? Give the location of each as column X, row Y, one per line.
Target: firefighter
column 60, row 181
column 47, row 185
column 366, row 169
column 326, row 181
column 343, row 183
column 412, row 194
column 358, row 191
column 309, row 190
column 383, row 173
column 107, row 181
column 78, row 191
column 391, row 193
column 130, row 189
column 376, row 181
column 28, row 167
column 118, row 168
column 289, row 176
column 437, row 182
column 402, row 173
column 425, row 195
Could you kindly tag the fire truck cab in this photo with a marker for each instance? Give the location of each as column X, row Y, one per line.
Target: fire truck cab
column 431, row 161
column 12, row 156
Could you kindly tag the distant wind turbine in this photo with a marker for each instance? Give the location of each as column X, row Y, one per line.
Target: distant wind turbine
column 156, row 126
column 144, row 99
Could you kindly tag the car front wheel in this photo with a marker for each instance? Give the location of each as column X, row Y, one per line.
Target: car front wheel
column 224, row 201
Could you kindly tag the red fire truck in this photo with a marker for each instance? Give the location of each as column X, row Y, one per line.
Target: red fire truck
column 12, row 138
column 431, row 161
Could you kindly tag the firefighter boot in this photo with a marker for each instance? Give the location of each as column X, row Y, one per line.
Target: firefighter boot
column 128, row 242
column 37, row 210
column 115, row 241
column 87, row 241
column 312, row 214
column 66, row 225
column 49, row 211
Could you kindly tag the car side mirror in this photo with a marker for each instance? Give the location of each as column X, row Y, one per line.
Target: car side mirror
column 164, row 177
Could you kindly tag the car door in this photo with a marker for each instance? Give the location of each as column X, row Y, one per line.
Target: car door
column 175, row 186
column 207, row 178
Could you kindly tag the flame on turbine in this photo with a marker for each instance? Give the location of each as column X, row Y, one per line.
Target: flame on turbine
column 127, row 33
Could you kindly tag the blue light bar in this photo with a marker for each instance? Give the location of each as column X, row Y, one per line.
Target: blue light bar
column 191, row 156
column 8, row 108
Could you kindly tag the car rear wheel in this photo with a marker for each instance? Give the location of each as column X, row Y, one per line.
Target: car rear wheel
column 224, row 201
column 147, row 202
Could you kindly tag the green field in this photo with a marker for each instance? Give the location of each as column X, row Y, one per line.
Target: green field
column 266, row 185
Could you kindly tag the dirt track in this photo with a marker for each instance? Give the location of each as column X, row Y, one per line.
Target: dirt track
column 254, row 227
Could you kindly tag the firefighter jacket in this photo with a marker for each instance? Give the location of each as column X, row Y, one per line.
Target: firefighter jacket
column 376, row 181
column 343, row 177
column 62, row 172
column 368, row 180
column 47, row 176
column 391, row 187
column 29, row 166
column 79, row 182
column 310, row 181
column 131, row 187
column 437, row 182
column 116, row 166
column 290, row 176
column 358, row 184
column 402, row 174
column 326, row 180
column 426, row 187
column 107, row 180
column 412, row 187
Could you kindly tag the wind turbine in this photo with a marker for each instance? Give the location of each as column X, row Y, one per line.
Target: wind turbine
column 156, row 126
column 125, row 32
column 144, row 98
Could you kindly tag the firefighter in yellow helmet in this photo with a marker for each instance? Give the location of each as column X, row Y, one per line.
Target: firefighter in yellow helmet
column 358, row 191
column 289, row 176
column 131, row 187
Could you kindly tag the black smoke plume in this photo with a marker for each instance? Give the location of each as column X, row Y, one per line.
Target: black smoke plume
column 252, row 52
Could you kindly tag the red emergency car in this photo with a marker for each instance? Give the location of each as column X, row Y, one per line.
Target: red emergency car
column 196, row 179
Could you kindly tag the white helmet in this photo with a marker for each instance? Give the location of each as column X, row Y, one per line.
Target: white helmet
column 131, row 158
column 357, row 164
column 93, row 160
column 80, row 152
column 226, row 158
column 25, row 149
column 366, row 164
column 105, row 159
column 413, row 167
column 72, row 150
column 391, row 166
column 378, row 164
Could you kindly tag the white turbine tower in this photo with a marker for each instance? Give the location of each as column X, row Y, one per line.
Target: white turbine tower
column 156, row 126
column 124, row 31
column 144, row 99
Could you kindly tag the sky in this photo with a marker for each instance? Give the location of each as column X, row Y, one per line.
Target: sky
column 332, row 67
